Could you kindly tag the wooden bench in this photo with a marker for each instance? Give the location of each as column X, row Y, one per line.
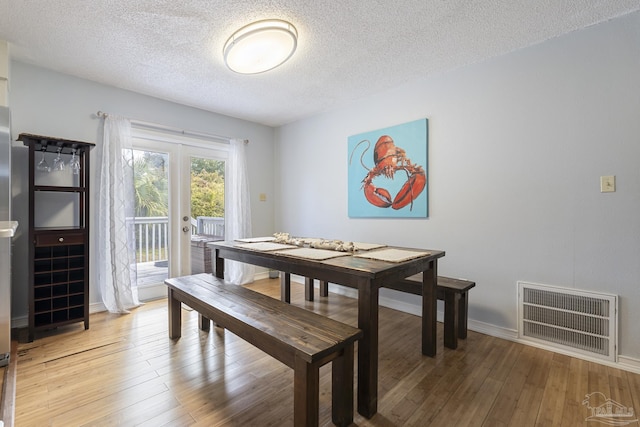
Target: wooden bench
column 452, row 291
column 301, row 339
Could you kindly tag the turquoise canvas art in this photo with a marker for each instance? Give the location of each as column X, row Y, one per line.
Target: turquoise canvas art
column 387, row 172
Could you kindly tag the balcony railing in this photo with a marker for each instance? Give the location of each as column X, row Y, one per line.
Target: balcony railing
column 152, row 238
column 152, row 235
column 210, row 226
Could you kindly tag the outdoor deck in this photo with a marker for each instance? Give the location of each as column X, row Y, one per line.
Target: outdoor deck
column 152, row 273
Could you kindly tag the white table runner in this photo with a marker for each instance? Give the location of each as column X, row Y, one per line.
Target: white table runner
column 256, row 239
column 264, row 246
column 310, row 253
column 361, row 246
column 393, row 255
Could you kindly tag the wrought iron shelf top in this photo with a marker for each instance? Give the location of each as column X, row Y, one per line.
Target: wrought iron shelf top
column 51, row 145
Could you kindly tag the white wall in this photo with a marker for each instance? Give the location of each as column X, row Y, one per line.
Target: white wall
column 58, row 105
column 516, row 148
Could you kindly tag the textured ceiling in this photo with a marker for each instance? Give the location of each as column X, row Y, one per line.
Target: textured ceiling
column 347, row 49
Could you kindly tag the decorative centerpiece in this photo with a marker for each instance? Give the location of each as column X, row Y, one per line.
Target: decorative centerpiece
column 334, row 245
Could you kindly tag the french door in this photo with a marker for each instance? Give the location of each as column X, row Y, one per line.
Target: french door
column 180, row 205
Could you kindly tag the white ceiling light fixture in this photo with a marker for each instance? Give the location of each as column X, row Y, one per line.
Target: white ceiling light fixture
column 260, row 46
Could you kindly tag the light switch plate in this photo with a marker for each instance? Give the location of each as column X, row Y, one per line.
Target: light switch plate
column 607, row 184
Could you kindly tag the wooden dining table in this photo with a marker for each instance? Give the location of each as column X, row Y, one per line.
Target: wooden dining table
column 367, row 275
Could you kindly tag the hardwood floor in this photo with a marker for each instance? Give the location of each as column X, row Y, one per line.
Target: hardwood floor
column 126, row 371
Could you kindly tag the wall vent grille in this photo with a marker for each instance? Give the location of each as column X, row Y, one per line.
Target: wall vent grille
column 576, row 321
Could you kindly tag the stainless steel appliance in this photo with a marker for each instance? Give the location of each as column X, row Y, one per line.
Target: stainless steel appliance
column 7, row 229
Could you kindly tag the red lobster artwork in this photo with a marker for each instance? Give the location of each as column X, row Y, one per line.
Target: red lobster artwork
column 389, row 159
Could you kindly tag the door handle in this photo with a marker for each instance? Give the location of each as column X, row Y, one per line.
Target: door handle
column 185, row 228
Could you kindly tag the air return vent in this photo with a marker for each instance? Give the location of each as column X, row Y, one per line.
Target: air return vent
column 575, row 321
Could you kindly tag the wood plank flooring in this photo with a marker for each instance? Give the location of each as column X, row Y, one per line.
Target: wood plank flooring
column 125, row 371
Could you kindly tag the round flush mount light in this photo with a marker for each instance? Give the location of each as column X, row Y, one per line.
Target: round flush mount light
column 260, row 46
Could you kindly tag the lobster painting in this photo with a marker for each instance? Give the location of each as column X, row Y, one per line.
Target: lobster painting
column 389, row 159
column 390, row 173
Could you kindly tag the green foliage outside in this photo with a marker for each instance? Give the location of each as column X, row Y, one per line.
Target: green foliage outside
column 150, row 181
column 151, row 186
column 207, row 188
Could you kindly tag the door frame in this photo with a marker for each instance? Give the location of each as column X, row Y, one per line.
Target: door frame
column 180, row 149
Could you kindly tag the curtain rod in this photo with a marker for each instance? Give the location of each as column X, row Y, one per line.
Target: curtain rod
column 156, row 126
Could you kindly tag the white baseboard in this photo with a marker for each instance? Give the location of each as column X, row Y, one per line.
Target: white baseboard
column 153, row 292
column 19, row 322
column 97, row 307
column 492, row 330
column 629, row 364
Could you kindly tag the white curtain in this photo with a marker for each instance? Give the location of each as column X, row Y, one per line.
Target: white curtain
column 238, row 215
column 116, row 263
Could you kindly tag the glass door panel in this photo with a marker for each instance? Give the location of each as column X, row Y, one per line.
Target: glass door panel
column 151, row 181
column 204, row 206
